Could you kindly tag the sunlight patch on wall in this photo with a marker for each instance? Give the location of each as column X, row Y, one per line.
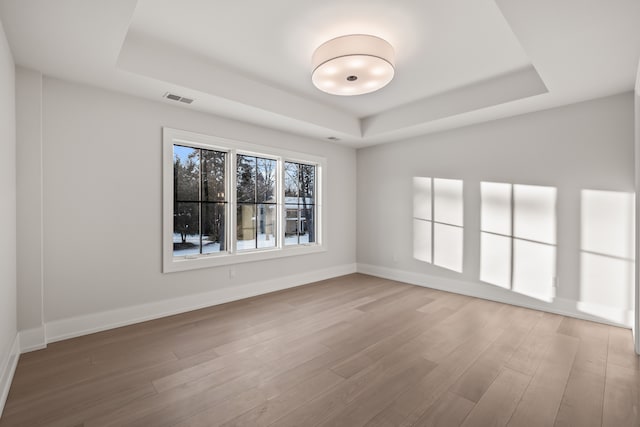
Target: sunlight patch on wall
column 438, row 232
column 422, row 219
column 607, row 256
column 535, row 213
column 518, row 238
column 495, row 262
column 534, row 269
column 422, row 240
column 495, row 239
column 422, row 198
column 448, row 244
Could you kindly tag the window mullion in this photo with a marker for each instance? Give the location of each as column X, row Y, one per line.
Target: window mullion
column 232, row 199
column 299, row 221
column 200, row 199
column 255, row 202
column 280, row 206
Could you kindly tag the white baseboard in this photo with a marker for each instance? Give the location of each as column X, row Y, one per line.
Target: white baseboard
column 32, row 339
column 83, row 325
column 565, row 307
column 7, row 369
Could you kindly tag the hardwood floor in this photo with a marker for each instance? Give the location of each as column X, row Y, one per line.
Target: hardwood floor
column 351, row 351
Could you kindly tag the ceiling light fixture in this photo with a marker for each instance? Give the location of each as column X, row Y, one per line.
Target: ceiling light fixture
column 353, row 65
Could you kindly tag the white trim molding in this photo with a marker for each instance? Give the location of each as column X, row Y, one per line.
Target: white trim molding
column 565, row 307
column 82, row 325
column 7, row 369
column 32, row 339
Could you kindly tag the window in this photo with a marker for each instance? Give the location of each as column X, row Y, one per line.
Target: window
column 256, row 202
column 227, row 202
column 299, row 194
column 199, row 202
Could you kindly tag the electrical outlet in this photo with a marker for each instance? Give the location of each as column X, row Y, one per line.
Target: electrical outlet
column 232, row 273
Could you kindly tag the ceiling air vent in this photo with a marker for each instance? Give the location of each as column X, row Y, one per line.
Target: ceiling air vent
column 175, row 97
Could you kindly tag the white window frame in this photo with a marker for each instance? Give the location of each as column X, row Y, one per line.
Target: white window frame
column 231, row 255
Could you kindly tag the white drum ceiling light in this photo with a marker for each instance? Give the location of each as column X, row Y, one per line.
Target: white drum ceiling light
column 353, row 65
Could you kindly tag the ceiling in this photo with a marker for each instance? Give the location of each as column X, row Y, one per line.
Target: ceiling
column 458, row 62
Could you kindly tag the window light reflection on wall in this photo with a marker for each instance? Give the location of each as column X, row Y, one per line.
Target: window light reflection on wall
column 438, row 233
column 518, row 238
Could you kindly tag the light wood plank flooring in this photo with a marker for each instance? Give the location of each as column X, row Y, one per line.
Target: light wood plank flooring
column 351, row 351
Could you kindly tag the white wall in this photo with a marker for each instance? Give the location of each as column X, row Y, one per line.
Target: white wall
column 636, row 329
column 8, row 329
column 102, row 205
column 586, row 146
column 29, row 205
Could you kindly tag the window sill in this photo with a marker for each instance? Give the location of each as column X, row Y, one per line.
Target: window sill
column 185, row 264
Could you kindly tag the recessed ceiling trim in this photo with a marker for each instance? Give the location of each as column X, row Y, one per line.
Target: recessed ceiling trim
column 512, row 86
column 161, row 61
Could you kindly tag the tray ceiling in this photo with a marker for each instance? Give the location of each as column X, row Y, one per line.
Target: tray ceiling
column 457, row 61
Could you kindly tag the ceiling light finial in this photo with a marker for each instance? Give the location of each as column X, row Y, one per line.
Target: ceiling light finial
column 353, row 65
